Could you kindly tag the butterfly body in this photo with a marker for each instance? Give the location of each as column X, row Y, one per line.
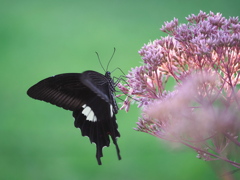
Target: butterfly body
column 90, row 96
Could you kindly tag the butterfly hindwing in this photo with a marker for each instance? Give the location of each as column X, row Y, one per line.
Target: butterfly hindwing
column 104, row 107
column 100, row 128
column 90, row 96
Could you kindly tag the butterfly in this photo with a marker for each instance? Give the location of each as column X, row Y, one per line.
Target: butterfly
column 90, row 96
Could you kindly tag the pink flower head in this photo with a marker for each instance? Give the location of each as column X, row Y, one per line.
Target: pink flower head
column 202, row 112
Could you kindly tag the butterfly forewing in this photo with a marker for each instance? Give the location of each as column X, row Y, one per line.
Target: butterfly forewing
column 98, row 83
column 101, row 85
column 90, row 96
column 63, row 90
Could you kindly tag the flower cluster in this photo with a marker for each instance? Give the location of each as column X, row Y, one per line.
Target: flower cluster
column 202, row 112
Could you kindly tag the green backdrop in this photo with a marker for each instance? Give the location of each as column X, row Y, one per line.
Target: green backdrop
column 39, row 39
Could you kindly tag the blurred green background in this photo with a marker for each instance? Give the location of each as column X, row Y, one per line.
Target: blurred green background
column 39, row 39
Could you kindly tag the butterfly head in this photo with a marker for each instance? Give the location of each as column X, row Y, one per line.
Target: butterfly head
column 108, row 74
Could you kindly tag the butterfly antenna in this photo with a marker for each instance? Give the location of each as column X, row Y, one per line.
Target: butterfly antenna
column 111, row 57
column 100, row 62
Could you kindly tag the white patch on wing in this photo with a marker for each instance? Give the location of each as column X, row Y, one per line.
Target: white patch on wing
column 111, row 110
column 88, row 112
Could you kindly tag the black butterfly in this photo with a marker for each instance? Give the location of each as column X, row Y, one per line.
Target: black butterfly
column 90, row 95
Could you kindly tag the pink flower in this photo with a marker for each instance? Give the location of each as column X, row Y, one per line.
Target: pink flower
column 202, row 112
